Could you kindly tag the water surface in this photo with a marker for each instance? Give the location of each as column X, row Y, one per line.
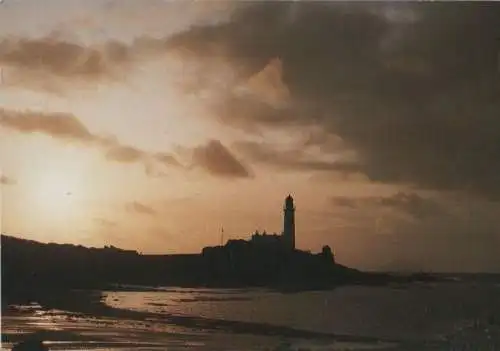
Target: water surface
column 439, row 316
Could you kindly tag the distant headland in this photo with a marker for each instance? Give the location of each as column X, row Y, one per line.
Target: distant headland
column 270, row 261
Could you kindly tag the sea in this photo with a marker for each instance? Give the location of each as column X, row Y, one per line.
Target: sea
column 462, row 314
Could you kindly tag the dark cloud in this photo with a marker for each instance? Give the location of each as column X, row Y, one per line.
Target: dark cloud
column 433, row 233
column 410, row 203
column 292, row 159
column 137, row 207
column 412, row 88
column 466, row 239
column 217, row 160
column 251, row 114
column 5, row 180
column 414, row 205
column 211, row 42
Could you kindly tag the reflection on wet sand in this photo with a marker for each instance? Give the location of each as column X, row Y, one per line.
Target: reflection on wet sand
column 65, row 330
column 354, row 318
column 62, row 330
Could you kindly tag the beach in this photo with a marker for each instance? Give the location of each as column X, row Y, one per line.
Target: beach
column 85, row 321
column 429, row 317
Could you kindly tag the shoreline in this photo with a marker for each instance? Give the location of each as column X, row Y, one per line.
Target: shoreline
column 88, row 303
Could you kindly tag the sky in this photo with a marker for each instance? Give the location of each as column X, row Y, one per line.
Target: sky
column 151, row 124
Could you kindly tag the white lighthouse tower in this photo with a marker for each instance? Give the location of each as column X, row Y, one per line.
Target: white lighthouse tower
column 289, row 223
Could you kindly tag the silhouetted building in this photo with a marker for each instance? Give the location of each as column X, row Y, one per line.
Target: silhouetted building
column 274, row 242
column 287, row 238
column 327, row 254
column 289, row 223
column 266, row 239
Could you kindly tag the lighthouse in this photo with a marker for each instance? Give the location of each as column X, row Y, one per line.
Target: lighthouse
column 289, row 223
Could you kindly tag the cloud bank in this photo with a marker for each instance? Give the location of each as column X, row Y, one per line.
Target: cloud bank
column 411, row 88
column 214, row 158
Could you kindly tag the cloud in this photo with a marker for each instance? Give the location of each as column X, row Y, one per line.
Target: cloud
column 125, row 154
column 167, row 159
column 412, row 204
column 43, row 62
column 64, row 59
column 211, row 41
column 268, row 84
column 453, row 233
column 213, row 157
column 251, row 114
column 65, row 126
column 345, row 201
column 217, row 160
column 4, row 180
column 294, row 159
column 58, row 124
column 137, row 207
column 464, row 240
column 52, row 64
column 59, row 56
column 406, row 86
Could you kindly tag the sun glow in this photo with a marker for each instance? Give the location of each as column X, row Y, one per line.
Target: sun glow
column 56, row 193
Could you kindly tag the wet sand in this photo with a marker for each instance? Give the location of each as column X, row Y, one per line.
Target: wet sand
column 80, row 320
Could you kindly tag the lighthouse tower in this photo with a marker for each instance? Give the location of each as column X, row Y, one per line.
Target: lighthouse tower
column 289, row 223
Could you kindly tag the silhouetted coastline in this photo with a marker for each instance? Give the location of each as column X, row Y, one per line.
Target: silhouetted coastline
column 72, row 278
column 31, row 270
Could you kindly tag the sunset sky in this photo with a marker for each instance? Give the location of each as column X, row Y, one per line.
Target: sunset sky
column 150, row 124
